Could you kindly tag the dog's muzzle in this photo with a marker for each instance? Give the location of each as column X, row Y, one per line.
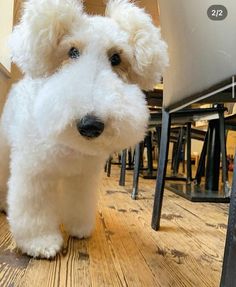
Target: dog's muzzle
column 90, row 126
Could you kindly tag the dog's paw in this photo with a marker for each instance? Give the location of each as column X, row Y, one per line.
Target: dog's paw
column 43, row 247
column 82, row 232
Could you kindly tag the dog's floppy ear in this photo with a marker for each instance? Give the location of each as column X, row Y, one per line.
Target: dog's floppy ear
column 149, row 50
column 35, row 39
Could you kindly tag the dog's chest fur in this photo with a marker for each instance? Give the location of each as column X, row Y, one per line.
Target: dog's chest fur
column 60, row 160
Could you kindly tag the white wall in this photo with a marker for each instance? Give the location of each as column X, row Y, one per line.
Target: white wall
column 6, row 13
column 6, row 23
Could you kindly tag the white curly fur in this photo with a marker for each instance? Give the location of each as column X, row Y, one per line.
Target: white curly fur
column 149, row 50
column 42, row 25
column 53, row 171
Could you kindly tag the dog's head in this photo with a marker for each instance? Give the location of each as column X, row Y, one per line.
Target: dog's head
column 91, row 70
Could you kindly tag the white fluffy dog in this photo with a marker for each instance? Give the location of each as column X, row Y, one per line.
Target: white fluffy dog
column 79, row 101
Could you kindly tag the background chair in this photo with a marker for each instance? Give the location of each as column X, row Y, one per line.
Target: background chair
column 181, row 134
column 202, row 67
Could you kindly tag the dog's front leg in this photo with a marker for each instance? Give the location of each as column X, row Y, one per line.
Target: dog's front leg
column 79, row 200
column 33, row 214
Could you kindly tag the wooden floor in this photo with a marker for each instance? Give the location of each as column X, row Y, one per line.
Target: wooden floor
column 124, row 250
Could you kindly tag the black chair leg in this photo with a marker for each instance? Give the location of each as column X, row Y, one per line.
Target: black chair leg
column 183, row 162
column 158, row 131
column 161, row 173
column 108, row 168
column 201, row 164
column 228, row 277
column 178, row 152
column 149, row 153
column 189, row 164
column 213, row 156
column 174, row 152
column 137, row 164
column 130, row 162
column 223, row 153
column 123, row 167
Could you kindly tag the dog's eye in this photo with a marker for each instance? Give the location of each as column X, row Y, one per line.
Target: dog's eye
column 74, row 53
column 115, row 60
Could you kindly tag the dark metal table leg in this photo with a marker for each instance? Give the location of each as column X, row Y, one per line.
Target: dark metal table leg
column 149, row 174
column 130, row 158
column 183, row 162
column 189, row 164
column 137, row 164
column 123, row 167
column 213, row 157
column 201, row 164
column 141, row 151
column 174, row 152
column 158, row 130
column 178, row 152
column 109, row 166
column 162, row 164
column 149, row 153
column 228, row 277
column 226, row 186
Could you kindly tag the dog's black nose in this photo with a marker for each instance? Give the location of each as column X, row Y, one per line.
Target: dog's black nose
column 90, row 126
